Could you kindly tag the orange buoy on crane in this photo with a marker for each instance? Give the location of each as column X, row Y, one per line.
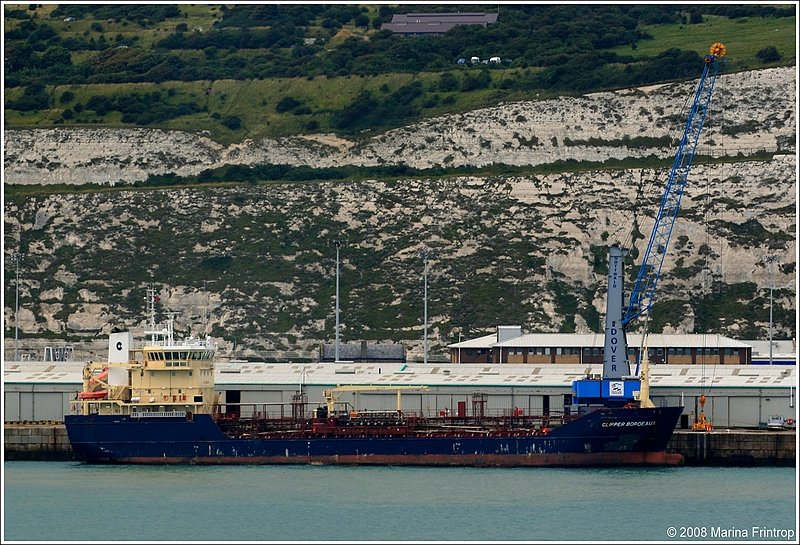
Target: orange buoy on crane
column 718, row 50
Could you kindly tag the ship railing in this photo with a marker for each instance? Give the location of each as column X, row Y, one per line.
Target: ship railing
column 286, row 409
column 159, row 414
column 272, row 410
column 279, row 410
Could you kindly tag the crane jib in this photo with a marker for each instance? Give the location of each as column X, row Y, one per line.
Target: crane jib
column 644, row 288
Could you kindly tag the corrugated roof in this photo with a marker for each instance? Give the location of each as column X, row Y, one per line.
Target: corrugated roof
column 782, row 347
column 68, row 372
column 597, row 340
column 481, row 342
column 421, row 23
column 472, row 375
column 467, row 17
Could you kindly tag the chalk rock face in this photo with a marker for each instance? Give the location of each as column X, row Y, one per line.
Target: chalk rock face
column 594, row 127
column 529, row 250
column 253, row 266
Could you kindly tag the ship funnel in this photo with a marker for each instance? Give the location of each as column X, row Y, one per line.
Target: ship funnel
column 119, row 345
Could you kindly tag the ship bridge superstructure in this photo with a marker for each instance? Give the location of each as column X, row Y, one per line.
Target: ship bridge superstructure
column 162, row 376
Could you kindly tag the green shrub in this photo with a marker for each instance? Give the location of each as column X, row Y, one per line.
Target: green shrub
column 232, row 122
column 769, row 54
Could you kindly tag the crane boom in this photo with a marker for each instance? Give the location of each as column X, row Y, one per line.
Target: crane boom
column 617, row 386
column 644, row 288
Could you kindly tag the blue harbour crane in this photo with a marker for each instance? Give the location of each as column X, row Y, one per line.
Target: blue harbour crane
column 617, row 386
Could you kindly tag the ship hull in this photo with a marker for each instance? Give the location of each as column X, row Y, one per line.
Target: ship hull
column 606, row 437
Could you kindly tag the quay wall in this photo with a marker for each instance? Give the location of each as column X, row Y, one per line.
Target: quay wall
column 735, row 447
column 36, row 441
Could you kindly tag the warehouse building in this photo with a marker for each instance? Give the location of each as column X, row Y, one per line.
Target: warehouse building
column 434, row 24
column 509, row 345
column 737, row 395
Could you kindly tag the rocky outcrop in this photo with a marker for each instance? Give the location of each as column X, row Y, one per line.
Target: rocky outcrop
column 253, row 265
column 751, row 111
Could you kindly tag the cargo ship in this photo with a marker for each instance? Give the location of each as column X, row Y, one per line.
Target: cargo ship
column 156, row 404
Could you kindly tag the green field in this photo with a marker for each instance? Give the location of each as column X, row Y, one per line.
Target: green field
column 743, row 37
column 253, row 101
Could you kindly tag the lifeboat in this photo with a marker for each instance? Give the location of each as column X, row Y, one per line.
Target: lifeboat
column 101, row 376
column 99, row 394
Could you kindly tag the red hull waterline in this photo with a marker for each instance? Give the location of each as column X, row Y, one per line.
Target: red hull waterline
column 472, row 460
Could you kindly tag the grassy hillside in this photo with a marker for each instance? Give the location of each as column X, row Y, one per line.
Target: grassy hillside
column 332, row 72
column 744, row 38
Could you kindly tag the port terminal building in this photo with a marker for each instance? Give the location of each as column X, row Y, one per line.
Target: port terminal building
column 509, row 345
column 736, row 395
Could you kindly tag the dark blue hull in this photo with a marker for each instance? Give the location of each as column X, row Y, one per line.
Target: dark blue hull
column 603, row 437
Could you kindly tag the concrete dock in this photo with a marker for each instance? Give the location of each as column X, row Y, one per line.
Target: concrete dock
column 36, row 441
column 724, row 447
column 732, row 447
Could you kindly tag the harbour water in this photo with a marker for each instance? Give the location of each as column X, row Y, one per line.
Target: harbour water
column 69, row 501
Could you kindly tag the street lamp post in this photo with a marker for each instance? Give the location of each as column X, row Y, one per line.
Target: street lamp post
column 425, row 253
column 338, row 243
column 16, row 257
column 770, row 261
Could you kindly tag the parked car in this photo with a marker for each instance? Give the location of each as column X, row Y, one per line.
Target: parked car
column 776, row 422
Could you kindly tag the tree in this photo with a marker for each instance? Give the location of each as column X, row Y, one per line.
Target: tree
column 361, row 21
column 56, row 56
column 232, row 122
column 448, row 82
column 286, row 103
column 769, row 54
column 481, row 80
column 33, row 98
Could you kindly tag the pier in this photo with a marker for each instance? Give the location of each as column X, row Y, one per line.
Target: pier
column 735, row 447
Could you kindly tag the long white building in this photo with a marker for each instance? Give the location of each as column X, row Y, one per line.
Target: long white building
column 736, row 395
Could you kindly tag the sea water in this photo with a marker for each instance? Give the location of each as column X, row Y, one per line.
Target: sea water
column 70, row 501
